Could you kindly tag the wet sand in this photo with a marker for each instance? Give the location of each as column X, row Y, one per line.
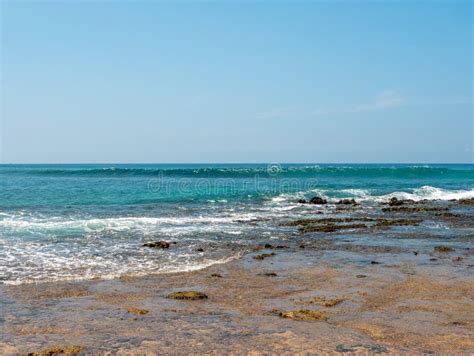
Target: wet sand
column 323, row 292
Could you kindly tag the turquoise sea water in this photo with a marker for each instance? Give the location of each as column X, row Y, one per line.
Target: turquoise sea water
column 83, row 221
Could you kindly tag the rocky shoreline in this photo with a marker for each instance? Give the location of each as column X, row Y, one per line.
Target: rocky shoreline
column 351, row 281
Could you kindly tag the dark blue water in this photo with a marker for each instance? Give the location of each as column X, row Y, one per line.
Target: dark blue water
column 81, row 221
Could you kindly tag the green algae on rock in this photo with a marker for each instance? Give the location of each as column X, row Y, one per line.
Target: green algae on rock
column 396, row 222
column 330, row 228
column 443, row 248
column 469, row 201
column 323, row 301
column 309, row 221
column 414, row 209
column 133, row 310
column 304, row 314
column 64, row 350
column 187, row 295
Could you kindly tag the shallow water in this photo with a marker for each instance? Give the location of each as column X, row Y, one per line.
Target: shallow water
column 84, row 221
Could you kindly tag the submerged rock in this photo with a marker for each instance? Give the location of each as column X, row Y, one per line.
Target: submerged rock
column 318, row 200
column 361, row 349
column 302, row 201
column 304, row 314
column 329, row 228
column 396, row 222
column 413, row 209
column 263, row 256
column 457, row 259
column 469, row 201
column 325, row 302
column 269, row 274
column 397, row 202
column 443, row 249
column 65, row 350
column 310, row 221
column 346, row 202
column 187, row 295
column 447, row 214
column 137, row 311
column 157, row 244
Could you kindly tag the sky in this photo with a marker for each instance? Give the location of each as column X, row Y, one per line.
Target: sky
column 163, row 82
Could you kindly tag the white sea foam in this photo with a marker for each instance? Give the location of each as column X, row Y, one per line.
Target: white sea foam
column 55, row 268
column 429, row 193
column 118, row 223
column 426, row 192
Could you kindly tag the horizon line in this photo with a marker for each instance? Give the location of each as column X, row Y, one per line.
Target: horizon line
column 233, row 163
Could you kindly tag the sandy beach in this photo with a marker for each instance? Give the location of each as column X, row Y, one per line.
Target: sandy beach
column 317, row 293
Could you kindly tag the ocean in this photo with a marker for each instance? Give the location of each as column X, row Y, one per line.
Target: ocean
column 83, row 221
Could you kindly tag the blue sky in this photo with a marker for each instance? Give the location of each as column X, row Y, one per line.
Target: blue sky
column 236, row 82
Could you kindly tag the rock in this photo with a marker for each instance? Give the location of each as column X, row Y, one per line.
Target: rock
column 216, row 275
column 361, row 276
column 137, row 311
column 469, row 201
column 374, row 263
column 414, row 209
column 269, row 246
column 396, row 222
column 269, row 274
column 361, row 349
column 443, row 249
column 346, row 202
column 309, row 221
column 157, row 244
column 279, row 247
column 324, row 302
column 187, row 295
column 200, row 249
column 447, row 214
column 302, row 246
column 433, row 259
column 65, row 350
column 329, row 227
column 318, row 200
column 263, row 256
column 304, row 314
column 415, row 253
column 302, row 201
column 397, row 202
column 457, row 259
